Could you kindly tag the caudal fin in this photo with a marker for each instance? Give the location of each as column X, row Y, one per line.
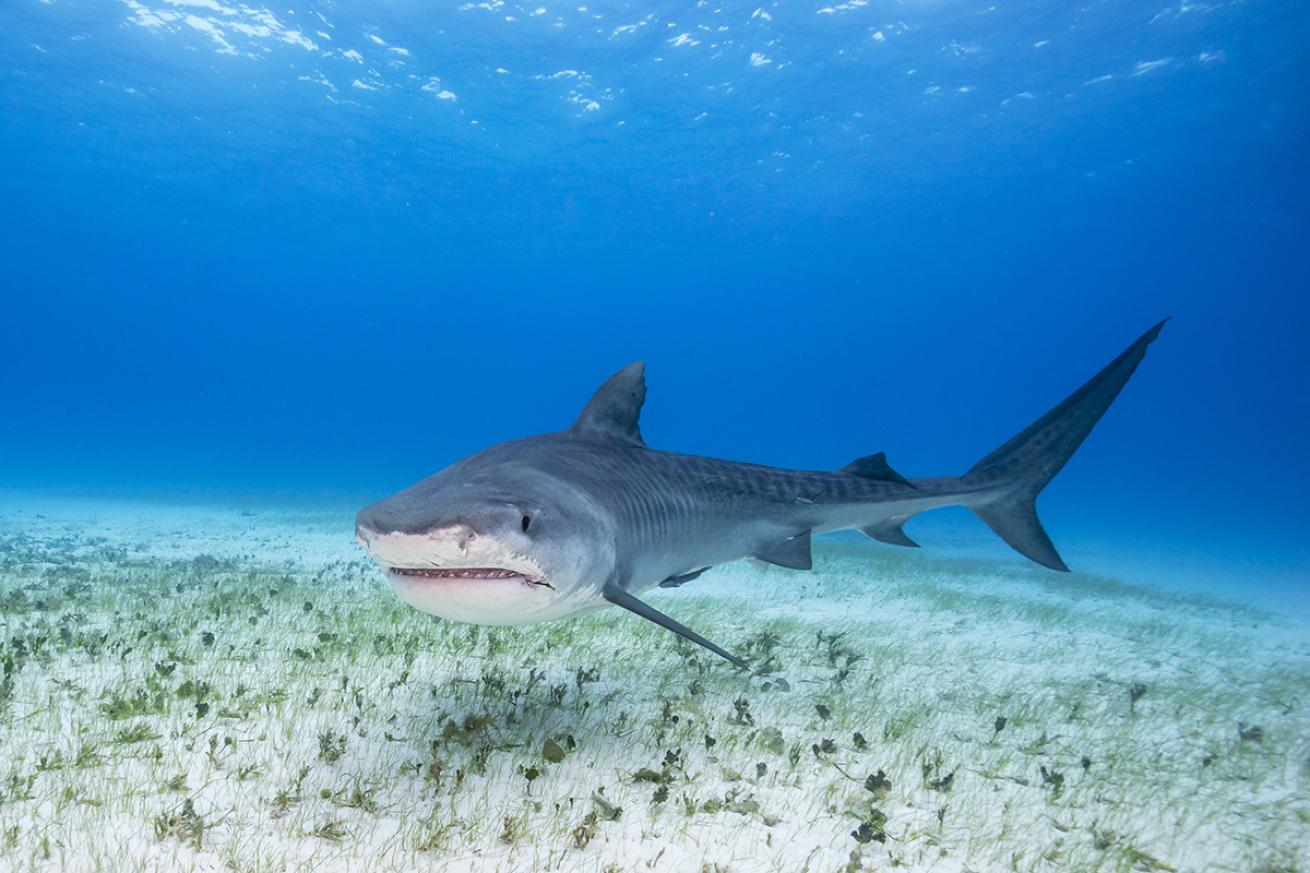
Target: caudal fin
column 1009, row 479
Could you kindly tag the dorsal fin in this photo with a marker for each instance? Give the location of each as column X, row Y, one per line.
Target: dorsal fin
column 875, row 467
column 614, row 411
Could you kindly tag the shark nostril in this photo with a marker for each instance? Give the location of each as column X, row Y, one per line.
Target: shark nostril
column 460, row 535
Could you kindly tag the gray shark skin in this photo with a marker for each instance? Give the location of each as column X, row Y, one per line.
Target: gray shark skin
column 559, row 525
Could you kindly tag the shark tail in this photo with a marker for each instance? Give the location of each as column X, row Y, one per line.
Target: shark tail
column 1004, row 485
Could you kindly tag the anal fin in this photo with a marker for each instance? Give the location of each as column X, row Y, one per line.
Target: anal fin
column 622, row 598
column 891, row 531
column 793, row 552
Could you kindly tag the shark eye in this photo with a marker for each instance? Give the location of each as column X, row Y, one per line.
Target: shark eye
column 526, row 523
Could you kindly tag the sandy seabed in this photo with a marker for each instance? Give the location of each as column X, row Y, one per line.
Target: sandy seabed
column 205, row 688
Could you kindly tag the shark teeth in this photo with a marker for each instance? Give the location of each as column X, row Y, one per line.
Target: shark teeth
column 465, row 573
column 455, row 572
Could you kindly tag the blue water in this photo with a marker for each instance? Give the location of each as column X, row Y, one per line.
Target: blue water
column 325, row 249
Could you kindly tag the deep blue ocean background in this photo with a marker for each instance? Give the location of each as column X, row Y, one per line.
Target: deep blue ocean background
column 324, row 249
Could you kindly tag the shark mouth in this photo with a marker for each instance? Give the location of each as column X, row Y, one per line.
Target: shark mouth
column 469, row 573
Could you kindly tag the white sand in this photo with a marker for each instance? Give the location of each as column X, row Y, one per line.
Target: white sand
column 196, row 688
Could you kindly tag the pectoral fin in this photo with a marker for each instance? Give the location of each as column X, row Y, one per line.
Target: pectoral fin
column 619, row 597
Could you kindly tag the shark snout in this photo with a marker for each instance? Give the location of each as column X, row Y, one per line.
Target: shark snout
column 402, row 549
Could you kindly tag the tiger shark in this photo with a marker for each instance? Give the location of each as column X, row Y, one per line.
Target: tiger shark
column 560, row 525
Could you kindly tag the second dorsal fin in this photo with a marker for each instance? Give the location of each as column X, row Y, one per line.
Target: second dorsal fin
column 875, row 466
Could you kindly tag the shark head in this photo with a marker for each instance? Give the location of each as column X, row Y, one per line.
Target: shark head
column 493, row 539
